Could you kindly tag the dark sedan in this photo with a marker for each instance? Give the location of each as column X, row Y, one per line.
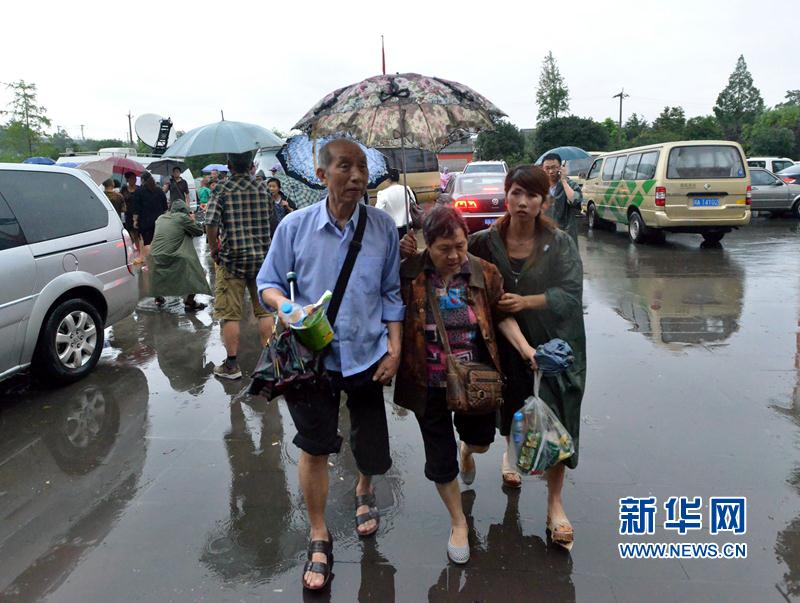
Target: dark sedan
column 480, row 198
column 790, row 175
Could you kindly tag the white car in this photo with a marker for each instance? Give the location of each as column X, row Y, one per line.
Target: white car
column 66, row 265
column 486, row 167
column 771, row 164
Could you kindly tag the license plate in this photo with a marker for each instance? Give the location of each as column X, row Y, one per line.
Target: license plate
column 489, row 221
column 705, row 202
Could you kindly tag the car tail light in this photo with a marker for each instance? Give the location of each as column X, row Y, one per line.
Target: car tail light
column 465, row 204
column 661, row 196
column 789, row 180
column 748, row 196
column 128, row 244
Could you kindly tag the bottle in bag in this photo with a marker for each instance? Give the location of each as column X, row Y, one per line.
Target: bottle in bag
column 292, row 313
column 518, row 428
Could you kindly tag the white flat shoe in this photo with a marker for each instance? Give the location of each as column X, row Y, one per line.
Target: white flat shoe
column 457, row 554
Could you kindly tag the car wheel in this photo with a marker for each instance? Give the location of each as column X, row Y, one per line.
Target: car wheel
column 70, row 342
column 637, row 229
column 592, row 219
column 796, row 209
column 713, row 237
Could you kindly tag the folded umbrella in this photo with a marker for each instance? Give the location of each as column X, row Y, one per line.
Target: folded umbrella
column 554, row 357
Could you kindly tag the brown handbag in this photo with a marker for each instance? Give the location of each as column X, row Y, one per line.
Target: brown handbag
column 473, row 388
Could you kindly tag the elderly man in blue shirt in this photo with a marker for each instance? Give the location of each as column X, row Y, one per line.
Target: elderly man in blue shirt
column 365, row 352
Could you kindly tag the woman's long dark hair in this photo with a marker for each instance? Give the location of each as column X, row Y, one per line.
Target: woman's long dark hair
column 149, row 182
column 535, row 182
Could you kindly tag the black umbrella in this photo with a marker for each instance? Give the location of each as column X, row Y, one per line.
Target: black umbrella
column 163, row 167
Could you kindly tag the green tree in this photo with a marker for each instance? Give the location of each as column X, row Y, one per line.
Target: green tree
column 739, row 103
column 634, row 127
column 792, row 99
column 776, row 132
column 670, row 120
column 504, row 142
column 768, row 141
column 703, row 127
column 552, row 94
column 571, row 131
column 27, row 119
column 611, row 126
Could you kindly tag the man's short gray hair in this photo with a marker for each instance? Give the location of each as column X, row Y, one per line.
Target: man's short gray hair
column 325, row 156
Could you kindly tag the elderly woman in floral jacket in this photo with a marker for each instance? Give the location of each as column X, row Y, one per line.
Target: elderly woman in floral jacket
column 467, row 291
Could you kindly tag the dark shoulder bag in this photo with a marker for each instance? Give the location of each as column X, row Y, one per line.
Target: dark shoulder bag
column 473, row 388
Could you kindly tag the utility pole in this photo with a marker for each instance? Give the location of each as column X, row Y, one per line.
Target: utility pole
column 130, row 127
column 82, row 136
column 620, row 96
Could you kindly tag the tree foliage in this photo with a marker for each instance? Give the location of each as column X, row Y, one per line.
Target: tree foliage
column 571, row 131
column 552, row 94
column 27, row 119
column 703, row 127
column 739, row 103
column 776, row 132
column 504, row 142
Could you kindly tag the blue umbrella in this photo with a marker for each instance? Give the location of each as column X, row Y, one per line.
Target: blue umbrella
column 71, row 164
column 299, row 161
column 39, row 161
column 554, row 357
column 215, row 166
column 566, row 153
column 223, row 137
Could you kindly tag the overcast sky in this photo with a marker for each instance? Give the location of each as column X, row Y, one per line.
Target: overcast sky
column 270, row 62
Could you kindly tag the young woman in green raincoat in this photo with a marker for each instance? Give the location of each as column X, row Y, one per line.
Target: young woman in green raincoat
column 543, row 278
column 174, row 265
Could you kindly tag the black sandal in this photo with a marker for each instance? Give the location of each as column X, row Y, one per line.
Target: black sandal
column 319, row 567
column 369, row 501
column 193, row 307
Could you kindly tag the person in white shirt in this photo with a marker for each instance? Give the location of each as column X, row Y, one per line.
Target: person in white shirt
column 392, row 200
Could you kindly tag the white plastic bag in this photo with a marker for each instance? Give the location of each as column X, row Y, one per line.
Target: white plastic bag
column 538, row 439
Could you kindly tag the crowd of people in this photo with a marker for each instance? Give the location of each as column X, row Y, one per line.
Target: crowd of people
column 492, row 296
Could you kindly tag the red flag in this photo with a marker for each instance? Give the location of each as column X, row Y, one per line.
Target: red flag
column 383, row 57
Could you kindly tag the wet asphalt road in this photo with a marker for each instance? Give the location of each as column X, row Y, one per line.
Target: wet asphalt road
column 152, row 481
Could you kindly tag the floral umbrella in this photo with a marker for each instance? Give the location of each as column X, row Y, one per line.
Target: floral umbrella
column 300, row 155
column 400, row 110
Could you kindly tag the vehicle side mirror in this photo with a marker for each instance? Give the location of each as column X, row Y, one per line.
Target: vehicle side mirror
column 778, row 183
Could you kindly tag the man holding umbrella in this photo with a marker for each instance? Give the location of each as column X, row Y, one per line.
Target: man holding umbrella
column 237, row 225
column 566, row 195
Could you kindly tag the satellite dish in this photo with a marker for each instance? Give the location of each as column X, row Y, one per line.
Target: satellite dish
column 147, row 127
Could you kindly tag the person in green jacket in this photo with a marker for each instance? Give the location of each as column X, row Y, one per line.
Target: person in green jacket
column 543, row 278
column 175, row 267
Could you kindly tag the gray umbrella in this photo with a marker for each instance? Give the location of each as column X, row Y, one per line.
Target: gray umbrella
column 223, row 137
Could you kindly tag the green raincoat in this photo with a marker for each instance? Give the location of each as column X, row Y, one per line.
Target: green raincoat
column 175, row 267
column 557, row 272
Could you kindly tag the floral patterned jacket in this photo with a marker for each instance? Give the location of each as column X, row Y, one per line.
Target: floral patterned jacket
column 485, row 290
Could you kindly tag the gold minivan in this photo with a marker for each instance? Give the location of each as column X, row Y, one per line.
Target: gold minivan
column 422, row 173
column 698, row 186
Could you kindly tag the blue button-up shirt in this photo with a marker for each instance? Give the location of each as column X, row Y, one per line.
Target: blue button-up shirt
column 309, row 243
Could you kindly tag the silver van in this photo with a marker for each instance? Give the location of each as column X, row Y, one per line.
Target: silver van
column 65, row 271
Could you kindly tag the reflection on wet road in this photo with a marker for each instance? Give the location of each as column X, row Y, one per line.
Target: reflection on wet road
column 152, row 481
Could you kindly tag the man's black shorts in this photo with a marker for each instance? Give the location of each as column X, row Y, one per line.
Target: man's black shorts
column 316, row 417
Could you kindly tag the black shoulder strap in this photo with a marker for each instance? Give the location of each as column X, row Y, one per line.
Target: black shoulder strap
column 347, row 267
